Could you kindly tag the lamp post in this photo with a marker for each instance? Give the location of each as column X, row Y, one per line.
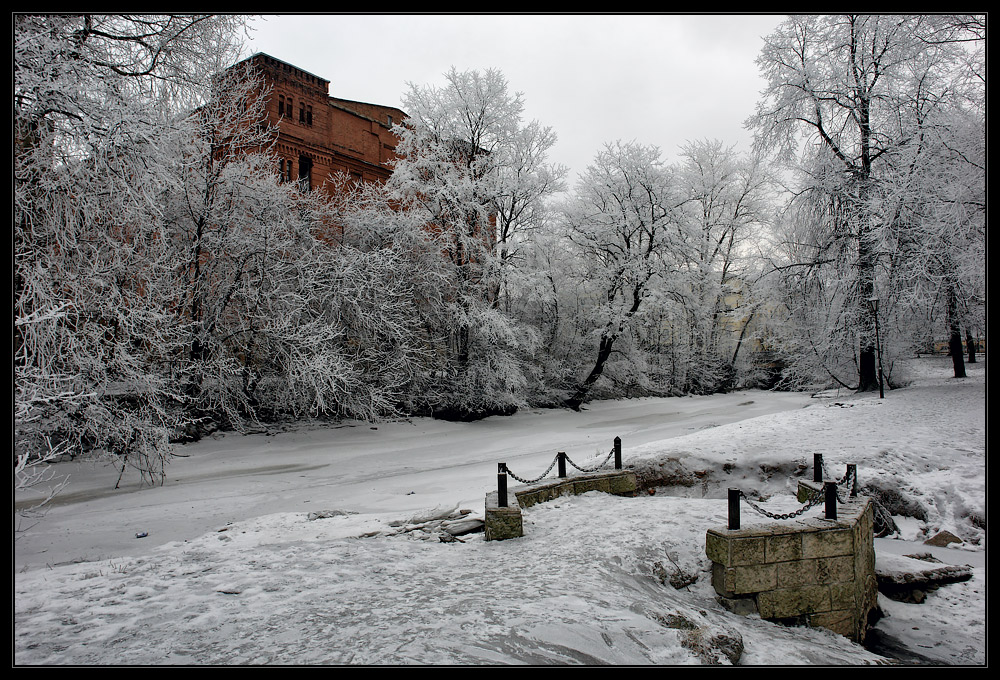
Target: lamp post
column 873, row 308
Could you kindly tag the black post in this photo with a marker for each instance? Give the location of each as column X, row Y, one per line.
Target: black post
column 562, row 464
column 734, row 509
column 618, row 453
column 502, row 485
column 852, row 475
column 817, row 467
column 831, row 500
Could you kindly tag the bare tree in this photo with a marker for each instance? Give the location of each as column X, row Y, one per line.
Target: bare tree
column 94, row 97
column 724, row 204
column 622, row 222
column 526, row 181
column 468, row 165
column 837, row 86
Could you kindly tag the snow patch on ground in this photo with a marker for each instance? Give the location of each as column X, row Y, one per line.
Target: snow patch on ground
column 585, row 585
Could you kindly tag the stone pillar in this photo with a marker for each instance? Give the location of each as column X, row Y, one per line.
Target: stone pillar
column 502, row 522
column 813, row 571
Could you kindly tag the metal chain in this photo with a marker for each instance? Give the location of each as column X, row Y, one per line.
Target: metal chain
column 593, row 469
column 532, row 481
column 849, row 482
column 553, row 464
column 817, row 499
column 826, row 475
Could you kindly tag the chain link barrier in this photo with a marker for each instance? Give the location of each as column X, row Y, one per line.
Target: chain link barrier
column 555, row 460
column 844, row 486
column 532, row 481
column 848, row 482
column 593, row 469
column 816, row 500
column 826, row 475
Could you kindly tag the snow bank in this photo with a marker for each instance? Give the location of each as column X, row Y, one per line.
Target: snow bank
column 591, row 582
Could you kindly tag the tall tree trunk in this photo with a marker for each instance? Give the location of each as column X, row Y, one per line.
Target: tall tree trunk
column 867, row 367
column 604, row 351
column 970, row 344
column 955, row 333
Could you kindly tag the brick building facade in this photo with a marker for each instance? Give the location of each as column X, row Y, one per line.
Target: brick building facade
column 320, row 135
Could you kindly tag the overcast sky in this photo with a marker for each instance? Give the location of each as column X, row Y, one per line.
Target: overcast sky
column 653, row 79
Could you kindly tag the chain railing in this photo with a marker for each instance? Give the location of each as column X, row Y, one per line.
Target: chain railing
column 505, row 469
column 596, row 468
column 813, row 502
column 560, row 460
column 833, row 492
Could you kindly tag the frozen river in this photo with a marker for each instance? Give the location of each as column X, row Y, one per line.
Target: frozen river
column 398, row 466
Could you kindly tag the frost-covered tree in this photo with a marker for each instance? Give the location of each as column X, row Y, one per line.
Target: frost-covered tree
column 622, row 222
column 520, row 207
column 468, row 165
column 839, row 90
column 938, row 196
column 94, row 97
column 725, row 203
column 165, row 276
column 227, row 217
column 292, row 305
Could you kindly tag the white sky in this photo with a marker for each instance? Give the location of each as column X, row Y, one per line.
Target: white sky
column 654, row 79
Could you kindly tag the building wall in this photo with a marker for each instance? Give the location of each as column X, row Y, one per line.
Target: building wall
column 330, row 135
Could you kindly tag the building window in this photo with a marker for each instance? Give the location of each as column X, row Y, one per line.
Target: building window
column 309, row 115
column 281, row 169
column 281, row 105
column 305, row 173
column 389, row 118
column 302, row 112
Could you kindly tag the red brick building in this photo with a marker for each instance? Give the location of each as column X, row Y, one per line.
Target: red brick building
column 320, row 135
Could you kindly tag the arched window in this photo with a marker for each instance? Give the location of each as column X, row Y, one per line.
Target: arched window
column 305, row 173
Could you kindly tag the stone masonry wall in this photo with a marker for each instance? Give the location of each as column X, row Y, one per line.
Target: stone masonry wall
column 814, row 571
column 505, row 522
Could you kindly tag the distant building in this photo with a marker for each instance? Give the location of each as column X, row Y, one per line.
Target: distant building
column 320, row 135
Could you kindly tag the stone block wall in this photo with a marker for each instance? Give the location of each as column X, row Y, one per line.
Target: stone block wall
column 814, row 571
column 502, row 522
column 505, row 522
column 618, row 483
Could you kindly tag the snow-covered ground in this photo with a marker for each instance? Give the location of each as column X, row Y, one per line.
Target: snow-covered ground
column 232, row 570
